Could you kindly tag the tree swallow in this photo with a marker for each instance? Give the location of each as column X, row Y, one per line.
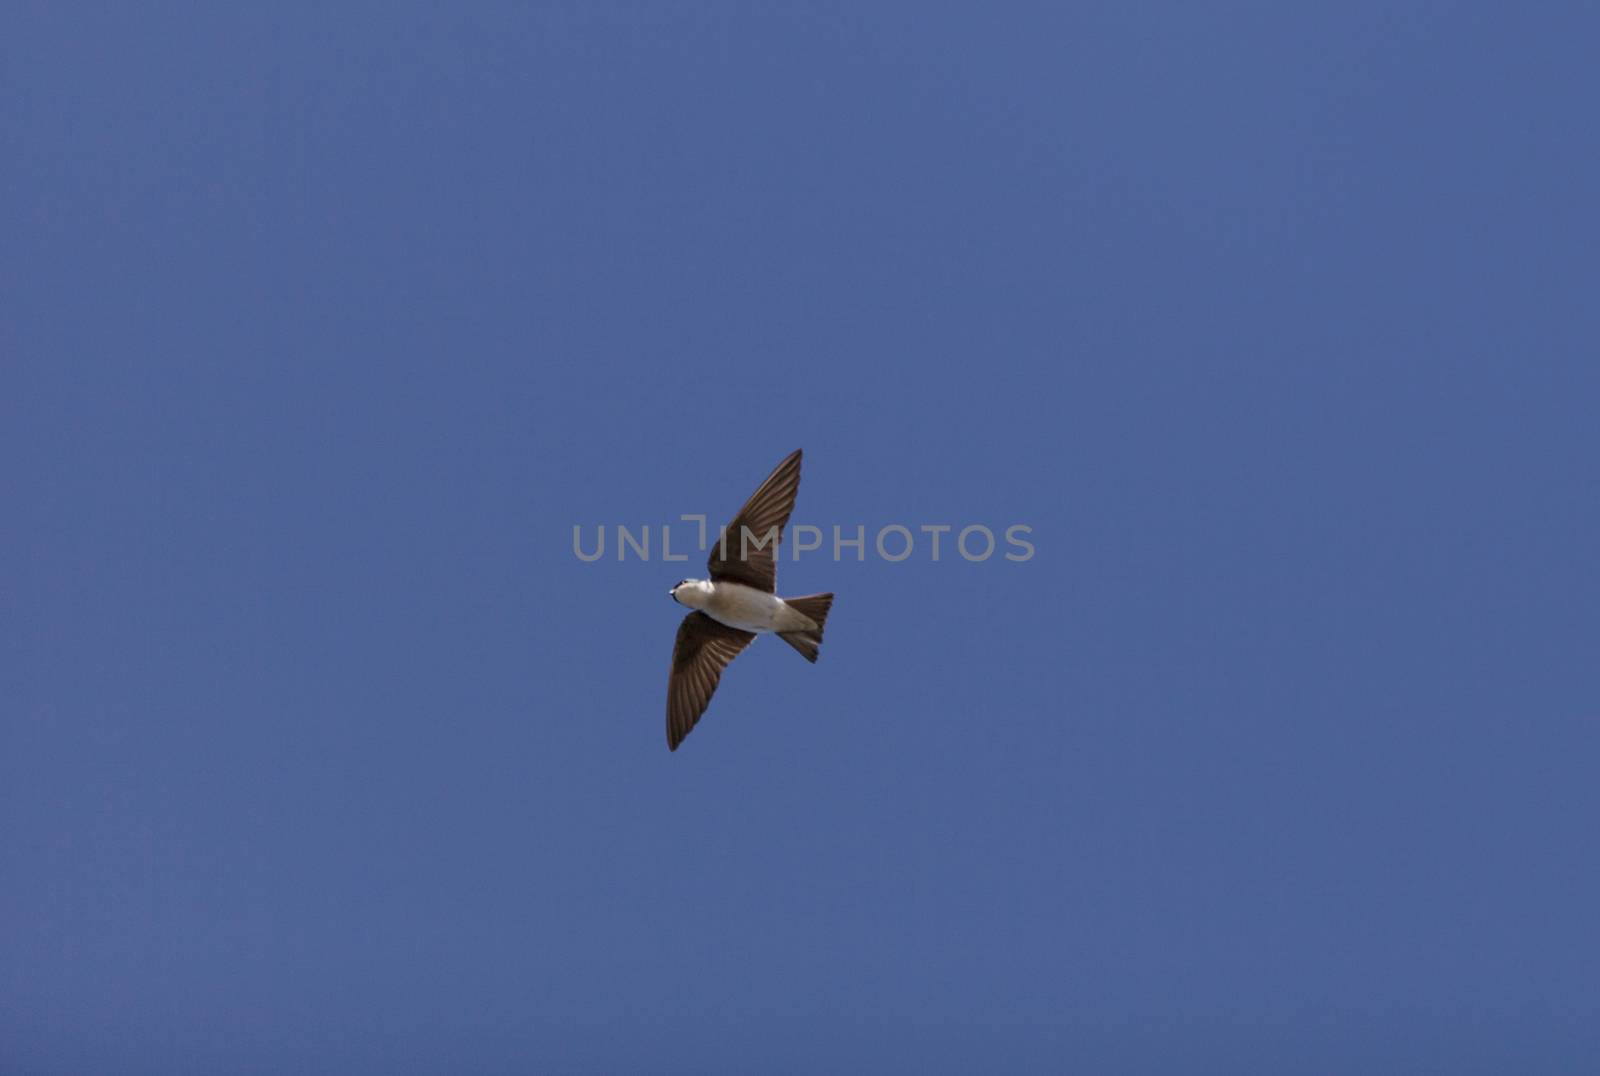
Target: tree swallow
column 738, row 602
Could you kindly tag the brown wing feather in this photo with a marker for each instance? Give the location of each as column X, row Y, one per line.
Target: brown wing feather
column 767, row 510
column 704, row 648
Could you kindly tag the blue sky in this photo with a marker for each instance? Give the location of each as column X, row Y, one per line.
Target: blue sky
column 323, row 328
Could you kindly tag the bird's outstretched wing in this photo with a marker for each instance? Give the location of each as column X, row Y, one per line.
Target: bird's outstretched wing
column 734, row 559
column 703, row 650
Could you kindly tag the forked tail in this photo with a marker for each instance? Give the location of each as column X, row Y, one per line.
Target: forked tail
column 816, row 607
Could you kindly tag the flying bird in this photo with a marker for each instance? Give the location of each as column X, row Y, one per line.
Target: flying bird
column 738, row 602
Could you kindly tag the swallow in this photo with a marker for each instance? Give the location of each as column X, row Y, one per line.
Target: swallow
column 739, row 602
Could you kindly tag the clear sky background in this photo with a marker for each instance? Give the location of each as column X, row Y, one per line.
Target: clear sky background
column 323, row 325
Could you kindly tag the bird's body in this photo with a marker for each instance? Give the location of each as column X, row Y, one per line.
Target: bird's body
column 742, row 607
column 738, row 602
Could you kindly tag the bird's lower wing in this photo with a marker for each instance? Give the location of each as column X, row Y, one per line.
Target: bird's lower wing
column 703, row 649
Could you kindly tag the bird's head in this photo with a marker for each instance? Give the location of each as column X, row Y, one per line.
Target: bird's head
column 688, row 591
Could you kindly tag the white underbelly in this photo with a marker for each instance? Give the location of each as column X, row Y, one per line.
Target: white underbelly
column 745, row 607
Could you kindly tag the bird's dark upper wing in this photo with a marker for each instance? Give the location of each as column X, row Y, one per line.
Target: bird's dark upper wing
column 733, row 559
column 703, row 650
